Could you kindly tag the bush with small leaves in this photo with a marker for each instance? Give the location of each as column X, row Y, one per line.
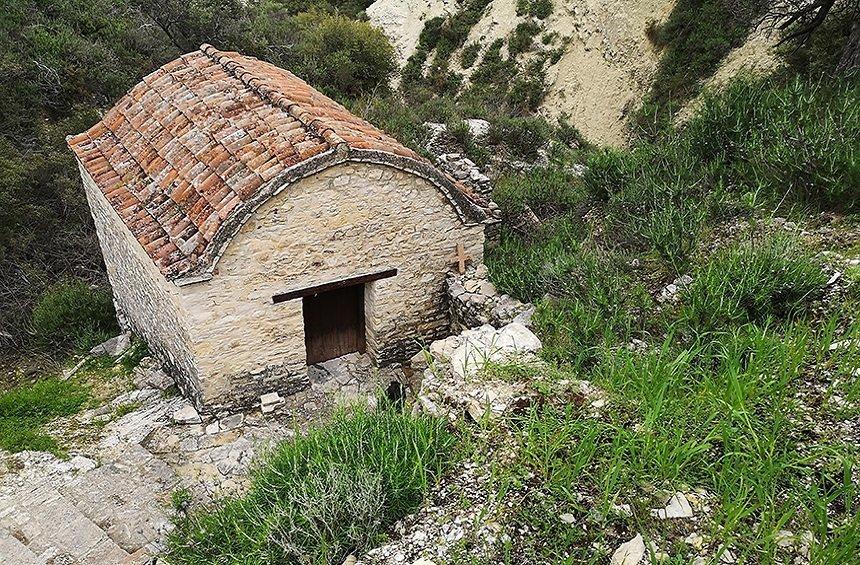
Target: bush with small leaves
column 323, row 495
column 73, row 314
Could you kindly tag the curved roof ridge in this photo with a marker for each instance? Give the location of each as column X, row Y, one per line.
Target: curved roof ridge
column 275, row 97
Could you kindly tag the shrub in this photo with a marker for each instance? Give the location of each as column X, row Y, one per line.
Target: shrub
column 592, row 298
column 528, row 88
column 523, row 136
column 757, row 141
column 344, row 56
column 322, row 496
column 569, row 135
column 74, row 314
column 695, row 38
column 469, row 55
column 608, row 171
column 522, row 37
column 673, row 231
column 445, row 36
column 793, row 141
column 549, row 192
column 517, row 264
column 541, row 9
column 753, row 281
column 595, row 303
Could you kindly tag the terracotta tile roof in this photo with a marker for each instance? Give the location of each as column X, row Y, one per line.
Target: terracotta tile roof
column 191, row 150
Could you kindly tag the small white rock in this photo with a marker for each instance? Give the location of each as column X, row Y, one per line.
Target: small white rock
column 726, row 556
column 629, row 553
column 696, row 540
column 114, row 346
column 843, row 344
column 82, row 464
column 784, row 538
column 269, row 401
column 677, row 507
column 567, row 518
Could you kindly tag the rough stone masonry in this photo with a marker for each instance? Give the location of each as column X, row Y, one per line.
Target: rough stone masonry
column 221, row 182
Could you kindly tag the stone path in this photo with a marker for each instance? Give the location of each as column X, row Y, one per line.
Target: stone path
column 109, row 502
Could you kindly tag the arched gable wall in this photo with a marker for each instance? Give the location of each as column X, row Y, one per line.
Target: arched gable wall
column 349, row 219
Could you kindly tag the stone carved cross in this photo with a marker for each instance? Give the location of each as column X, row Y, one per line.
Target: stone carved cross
column 461, row 258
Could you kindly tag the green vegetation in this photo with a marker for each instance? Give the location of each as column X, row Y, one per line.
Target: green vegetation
column 752, row 282
column 695, row 38
column 500, row 86
column 74, row 314
column 758, row 141
column 540, row 9
column 718, row 389
column 324, row 495
column 713, row 415
column 25, row 410
column 341, row 56
column 440, row 36
column 469, row 54
column 740, row 385
column 522, row 37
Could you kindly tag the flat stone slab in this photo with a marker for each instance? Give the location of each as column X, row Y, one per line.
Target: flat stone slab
column 47, row 523
column 13, row 551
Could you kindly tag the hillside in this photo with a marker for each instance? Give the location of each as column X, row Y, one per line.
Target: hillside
column 606, row 62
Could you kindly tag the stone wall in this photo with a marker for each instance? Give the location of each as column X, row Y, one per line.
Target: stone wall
column 146, row 303
column 474, row 301
column 348, row 220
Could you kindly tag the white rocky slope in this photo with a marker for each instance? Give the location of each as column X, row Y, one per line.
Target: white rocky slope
column 607, row 65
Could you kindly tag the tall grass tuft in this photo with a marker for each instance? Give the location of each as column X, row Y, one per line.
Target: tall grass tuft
column 322, row 496
column 762, row 278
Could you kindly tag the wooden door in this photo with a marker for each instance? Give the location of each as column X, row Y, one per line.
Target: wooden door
column 334, row 323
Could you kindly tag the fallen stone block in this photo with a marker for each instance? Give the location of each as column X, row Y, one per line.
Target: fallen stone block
column 114, row 347
column 270, row 401
column 186, row 415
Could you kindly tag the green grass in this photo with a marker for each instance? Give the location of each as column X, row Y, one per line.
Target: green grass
column 713, row 415
column 322, row 496
column 736, row 392
column 25, row 410
column 760, row 144
column 753, row 281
